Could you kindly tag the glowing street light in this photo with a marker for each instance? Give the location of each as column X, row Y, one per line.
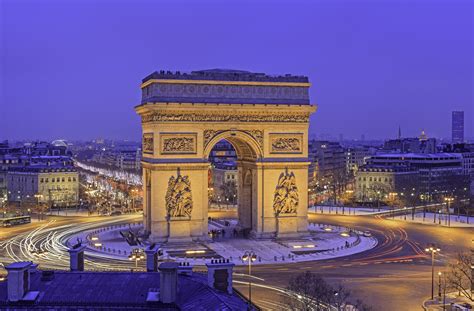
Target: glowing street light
column 137, row 254
column 439, row 283
column 433, row 250
column 448, row 201
column 251, row 257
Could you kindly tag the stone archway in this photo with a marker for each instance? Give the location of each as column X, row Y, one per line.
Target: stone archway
column 266, row 120
column 248, row 154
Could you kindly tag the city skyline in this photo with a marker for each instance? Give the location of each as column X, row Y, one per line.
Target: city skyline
column 357, row 56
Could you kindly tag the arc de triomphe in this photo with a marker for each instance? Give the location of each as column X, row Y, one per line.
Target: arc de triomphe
column 264, row 117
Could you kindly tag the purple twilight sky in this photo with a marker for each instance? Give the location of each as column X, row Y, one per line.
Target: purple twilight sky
column 72, row 69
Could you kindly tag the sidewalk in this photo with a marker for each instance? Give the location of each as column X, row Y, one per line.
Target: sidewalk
column 449, row 300
column 455, row 222
column 346, row 211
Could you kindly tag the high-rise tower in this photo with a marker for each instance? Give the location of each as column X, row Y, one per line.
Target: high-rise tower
column 457, row 127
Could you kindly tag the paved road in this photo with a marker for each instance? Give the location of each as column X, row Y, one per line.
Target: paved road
column 21, row 243
column 395, row 275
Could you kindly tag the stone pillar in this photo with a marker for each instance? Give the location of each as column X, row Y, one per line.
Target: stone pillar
column 152, row 258
column 219, row 275
column 18, row 280
column 168, row 282
column 76, row 257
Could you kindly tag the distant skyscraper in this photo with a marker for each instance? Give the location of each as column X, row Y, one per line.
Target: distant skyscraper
column 457, row 127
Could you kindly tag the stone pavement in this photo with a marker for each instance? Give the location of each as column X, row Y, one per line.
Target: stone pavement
column 323, row 242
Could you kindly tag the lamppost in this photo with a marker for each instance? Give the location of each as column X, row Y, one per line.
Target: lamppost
column 448, row 201
column 134, row 191
column 137, row 254
column 38, row 209
column 439, row 284
column 433, row 250
column 251, row 257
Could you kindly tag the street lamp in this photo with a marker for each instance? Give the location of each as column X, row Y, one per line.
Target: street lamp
column 137, row 254
column 439, row 284
column 251, row 257
column 38, row 196
column 433, row 250
column 448, row 201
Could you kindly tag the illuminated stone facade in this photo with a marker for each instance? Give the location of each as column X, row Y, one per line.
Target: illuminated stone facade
column 266, row 120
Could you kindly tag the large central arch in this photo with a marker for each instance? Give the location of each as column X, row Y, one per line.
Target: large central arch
column 266, row 120
column 248, row 153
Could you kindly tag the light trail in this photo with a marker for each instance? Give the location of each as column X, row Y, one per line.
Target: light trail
column 46, row 245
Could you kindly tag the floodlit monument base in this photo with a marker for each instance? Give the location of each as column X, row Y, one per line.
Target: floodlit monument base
column 179, row 230
column 266, row 120
column 287, row 227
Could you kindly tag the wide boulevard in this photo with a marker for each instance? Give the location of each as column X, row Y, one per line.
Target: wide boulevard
column 395, row 275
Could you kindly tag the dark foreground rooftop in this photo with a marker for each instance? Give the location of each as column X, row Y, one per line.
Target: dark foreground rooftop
column 118, row 291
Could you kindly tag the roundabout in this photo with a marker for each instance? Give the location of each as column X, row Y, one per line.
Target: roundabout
column 323, row 242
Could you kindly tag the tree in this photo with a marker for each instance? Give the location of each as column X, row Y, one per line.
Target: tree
column 311, row 291
column 460, row 277
column 338, row 181
column 379, row 191
column 229, row 190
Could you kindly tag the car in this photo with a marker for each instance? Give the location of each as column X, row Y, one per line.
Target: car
column 367, row 234
column 116, row 213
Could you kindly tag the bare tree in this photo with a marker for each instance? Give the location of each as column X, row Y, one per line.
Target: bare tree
column 460, row 277
column 361, row 306
column 340, row 296
column 310, row 290
column 229, row 190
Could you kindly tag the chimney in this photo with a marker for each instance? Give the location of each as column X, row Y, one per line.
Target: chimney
column 18, row 280
column 76, row 257
column 219, row 274
column 168, row 281
column 152, row 252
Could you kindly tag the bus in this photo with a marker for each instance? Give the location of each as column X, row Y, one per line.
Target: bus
column 13, row 221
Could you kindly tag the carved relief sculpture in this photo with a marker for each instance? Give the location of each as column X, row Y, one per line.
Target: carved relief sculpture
column 258, row 135
column 286, row 195
column 179, row 201
column 208, row 135
column 178, row 143
column 147, row 143
column 286, row 143
column 213, row 117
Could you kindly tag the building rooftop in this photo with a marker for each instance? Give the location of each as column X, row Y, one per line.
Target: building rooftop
column 225, row 75
column 42, row 168
column 418, row 156
column 122, row 290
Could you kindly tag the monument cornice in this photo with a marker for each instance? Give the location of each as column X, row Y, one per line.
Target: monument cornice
column 218, row 82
